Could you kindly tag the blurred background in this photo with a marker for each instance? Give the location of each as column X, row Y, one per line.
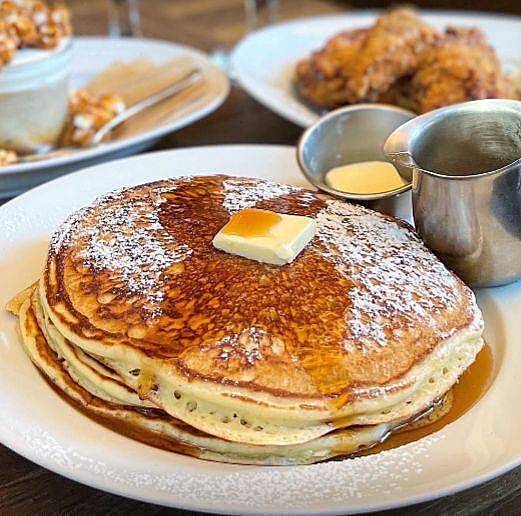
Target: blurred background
column 208, row 24
column 215, row 26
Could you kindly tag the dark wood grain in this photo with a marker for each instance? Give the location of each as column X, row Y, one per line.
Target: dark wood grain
column 27, row 489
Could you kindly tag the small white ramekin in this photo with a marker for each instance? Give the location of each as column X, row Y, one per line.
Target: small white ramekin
column 33, row 97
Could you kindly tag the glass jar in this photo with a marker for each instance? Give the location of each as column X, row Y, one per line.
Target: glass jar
column 34, row 97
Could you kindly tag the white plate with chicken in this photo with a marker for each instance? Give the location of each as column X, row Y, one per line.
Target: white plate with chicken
column 420, row 61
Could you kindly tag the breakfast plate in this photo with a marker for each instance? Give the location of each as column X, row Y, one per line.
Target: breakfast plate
column 42, row 427
column 92, row 55
column 264, row 62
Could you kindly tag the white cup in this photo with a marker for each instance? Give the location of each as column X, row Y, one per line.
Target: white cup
column 34, row 97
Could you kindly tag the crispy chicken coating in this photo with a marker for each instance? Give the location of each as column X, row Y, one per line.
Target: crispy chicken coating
column 361, row 65
column 461, row 66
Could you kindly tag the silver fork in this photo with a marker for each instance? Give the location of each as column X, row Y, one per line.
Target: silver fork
column 46, row 152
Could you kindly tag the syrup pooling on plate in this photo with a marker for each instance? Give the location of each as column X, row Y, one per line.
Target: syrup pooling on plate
column 154, row 417
column 470, row 388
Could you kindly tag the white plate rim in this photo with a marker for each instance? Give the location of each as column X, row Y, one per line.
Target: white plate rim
column 500, row 297
column 261, row 93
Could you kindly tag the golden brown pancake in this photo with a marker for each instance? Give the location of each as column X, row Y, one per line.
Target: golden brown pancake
column 365, row 328
column 157, row 428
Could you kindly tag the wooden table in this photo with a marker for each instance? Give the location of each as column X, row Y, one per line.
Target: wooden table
column 29, row 489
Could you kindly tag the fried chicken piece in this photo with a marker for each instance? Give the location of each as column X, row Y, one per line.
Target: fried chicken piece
column 361, row 65
column 459, row 67
column 320, row 78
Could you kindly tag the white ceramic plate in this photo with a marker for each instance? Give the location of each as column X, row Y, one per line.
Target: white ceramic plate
column 264, row 61
column 39, row 425
column 91, row 56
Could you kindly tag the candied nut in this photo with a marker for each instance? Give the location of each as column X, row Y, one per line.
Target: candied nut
column 50, row 36
column 7, row 157
column 87, row 114
column 83, row 121
column 61, row 17
column 7, row 44
column 31, row 23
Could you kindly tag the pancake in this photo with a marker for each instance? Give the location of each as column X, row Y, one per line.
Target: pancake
column 363, row 332
column 157, row 428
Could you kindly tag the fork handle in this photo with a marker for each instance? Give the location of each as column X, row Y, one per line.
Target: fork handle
column 173, row 89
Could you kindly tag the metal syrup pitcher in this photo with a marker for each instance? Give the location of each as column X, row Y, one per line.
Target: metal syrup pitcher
column 466, row 192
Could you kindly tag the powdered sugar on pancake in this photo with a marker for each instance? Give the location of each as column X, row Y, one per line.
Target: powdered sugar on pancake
column 396, row 282
column 126, row 237
column 247, row 345
column 239, row 196
column 393, row 273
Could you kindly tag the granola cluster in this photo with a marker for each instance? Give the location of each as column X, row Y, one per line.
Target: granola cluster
column 34, row 24
column 87, row 114
column 31, row 23
column 7, row 157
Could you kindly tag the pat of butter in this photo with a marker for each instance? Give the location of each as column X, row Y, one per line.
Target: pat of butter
column 367, row 177
column 265, row 236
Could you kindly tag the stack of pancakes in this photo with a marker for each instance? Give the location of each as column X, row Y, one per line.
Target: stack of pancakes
column 144, row 325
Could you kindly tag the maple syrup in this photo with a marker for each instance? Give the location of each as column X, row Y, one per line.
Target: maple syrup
column 472, row 385
column 252, row 222
column 146, row 383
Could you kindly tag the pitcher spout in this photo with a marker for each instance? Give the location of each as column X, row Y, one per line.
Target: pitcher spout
column 465, row 161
